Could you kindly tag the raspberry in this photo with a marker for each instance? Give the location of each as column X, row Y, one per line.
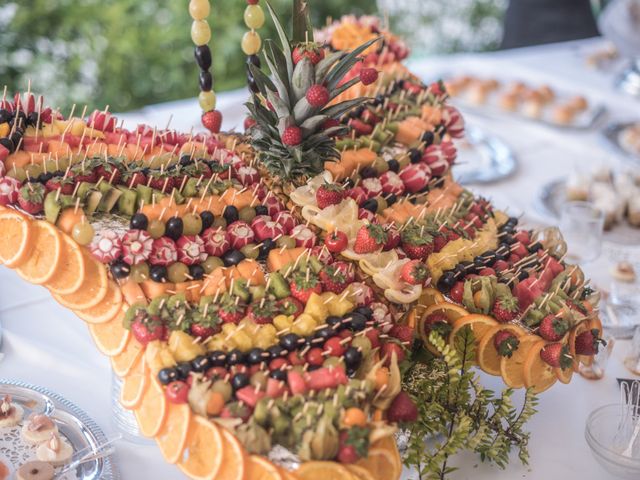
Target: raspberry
column 368, row 76
column 292, row 136
column 317, row 96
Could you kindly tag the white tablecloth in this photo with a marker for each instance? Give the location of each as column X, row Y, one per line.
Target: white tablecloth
column 47, row 345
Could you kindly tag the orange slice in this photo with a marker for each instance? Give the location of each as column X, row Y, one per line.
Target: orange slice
column 172, row 437
column 44, row 254
column 134, row 385
column 15, row 238
column 123, row 362
column 486, row 354
column 70, row 273
column 480, row 325
column 389, row 443
column 110, row 337
column 259, row 468
column 93, row 290
column 512, row 369
column 359, row 473
column 450, row 310
column 152, row 410
column 202, row 456
column 323, row 470
column 233, row 458
column 537, row 373
column 106, row 309
column 381, row 463
column 564, row 375
column 430, row 296
column 286, row 474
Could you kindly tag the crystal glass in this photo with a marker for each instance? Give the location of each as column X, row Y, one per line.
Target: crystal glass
column 632, row 360
column 124, row 420
column 582, row 225
column 596, row 368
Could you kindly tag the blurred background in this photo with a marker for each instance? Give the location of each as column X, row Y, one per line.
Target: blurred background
column 131, row 53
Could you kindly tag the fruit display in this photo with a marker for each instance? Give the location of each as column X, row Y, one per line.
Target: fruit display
column 263, row 295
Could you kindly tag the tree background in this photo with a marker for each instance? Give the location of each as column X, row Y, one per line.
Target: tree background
column 131, row 53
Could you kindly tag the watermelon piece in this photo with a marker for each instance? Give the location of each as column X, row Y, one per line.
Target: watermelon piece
column 297, row 382
column 321, row 378
column 4, row 153
column 275, row 388
column 249, row 395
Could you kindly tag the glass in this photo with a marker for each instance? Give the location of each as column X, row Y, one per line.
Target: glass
column 582, row 225
column 124, row 420
column 632, row 360
column 596, row 367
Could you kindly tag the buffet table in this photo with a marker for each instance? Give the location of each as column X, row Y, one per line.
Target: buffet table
column 45, row 344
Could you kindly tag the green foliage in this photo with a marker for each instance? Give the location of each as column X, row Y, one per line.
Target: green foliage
column 456, row 412
column 128, row 53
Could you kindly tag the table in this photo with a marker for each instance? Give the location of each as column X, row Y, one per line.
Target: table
column 47, row 345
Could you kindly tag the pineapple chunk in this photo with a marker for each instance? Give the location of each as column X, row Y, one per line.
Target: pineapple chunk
column 157, row 356
column 183, row 347
column 216, row 343
column 304, row 325
column 339, row 304
column 317, row 308
column 283, row 322
column 241, row 340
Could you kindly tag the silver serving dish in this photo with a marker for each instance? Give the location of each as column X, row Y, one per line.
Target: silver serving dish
column 482, row 158
column 74, row 424
column 612, row 134
column 553, row 195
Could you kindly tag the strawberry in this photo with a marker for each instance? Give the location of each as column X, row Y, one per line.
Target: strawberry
column 393, row 239
column 262, row 312
column 303, row 284
column 519, row 249
column 358, row 194
column 417, row 243
column 132, row 179
column 414, row 272
column 292, row 136
column 368, row 76
column 388, row 349
column 360, row 127
column 557, row 355
column 439, row 242
column 317, row 96
column 402, row 409
column 505, row 308
column 336, row 241
column 505, row 343
column 249, row 122
column 212, row 121
column 230, row 311
column 457, row 292
column 353, row 444
column 587, row 343
column 31, row 198
column 404, row 333
column 163, row 183
column 336, row 277
column 109, row 173
column 330, row 123
column 147, row 329
column 202, row 331
column 329, row 194
column 553, row 328
column 65, row 185
column 290, row 306
column 312, row 51
column 370, row 238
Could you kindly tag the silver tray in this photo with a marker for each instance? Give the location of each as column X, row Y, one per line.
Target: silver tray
column 612, row 134
column 551, row 198
column 482, row 158
column 73, row 423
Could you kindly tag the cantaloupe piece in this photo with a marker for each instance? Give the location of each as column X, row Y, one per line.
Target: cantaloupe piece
column 69, row 217
column 153, row 289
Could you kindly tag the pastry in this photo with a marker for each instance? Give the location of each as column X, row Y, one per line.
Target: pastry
column 509, row 101
column 532, row 108
column 10, row 413
column 38, row 429
column 563, row 114
column 56, row 450
column 578, row 103
column 35, row 470
column 577, row 187
column 624, row 272
column 546, row 93
column 478, row 94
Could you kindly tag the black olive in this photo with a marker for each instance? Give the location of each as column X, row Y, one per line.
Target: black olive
column 523, row 275
column 534, row 247
column 232, row 257
column 256, row 356
column 370, row 204
column 205, row 80
column 230, row 214
column 201, row 364
column 139, row 222
column 357, row 321
column 267, row 245
column 290, row 341
column 167, row 375
column 185, row 160
column 415, row 155
column 276, row 351
column 442, row 130
column 158, row 273
column 334, row 322
column 234, row 357
column 174, row 228
column 352, row 358
column 349, row 183
column 502, row 252
column 207, row 219
column 253, row 60
column 184, row 369
column 203, row 56
column 368, row 172
column 513, row 221
column 8, row 144
column 447, row 281
column 4, row 115
column 32, row 118
column 393, row 165
column 479, row 262
column 391, row 199
column 16, row 137
column 119, row 269
column 45, row 177
column 218, row 358
column 428, row 138
column 508, row 239
column 262, row 210
column 278, row 374
column 325, row 333
column 196, row 272
column 239, row 380
column 367, row 312
column 459, row 272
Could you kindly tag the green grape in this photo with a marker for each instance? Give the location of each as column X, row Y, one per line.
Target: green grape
column 219, row 222
column 286, row 241
column 259, row 379
column 382, row 204
column 247, row 214
column 332, row 362
column 33, row 170
column 156, row 228
column 18, row 173
column 192, row 224
column 380, row 164
column 362, row 343
column 83, row 233
column 250, row 250
column 222, row 387
column 177, row 272
column 140, row 272
column 211, row 263
column 50, row 166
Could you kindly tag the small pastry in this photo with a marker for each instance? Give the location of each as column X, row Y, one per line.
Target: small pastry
column 602, row 173
column 563, row 115
column 509, row 102
column 491, row 84
column 578, row 104
column 35, row 470
column 633, row 210
column 611, row 206
column 56, row 451
column 478, row 94
column 518, row 88
column 577, row 187
column 546, row 93
column 624, row 272
column 38, row 429
column 10, row 413
column 532, row 108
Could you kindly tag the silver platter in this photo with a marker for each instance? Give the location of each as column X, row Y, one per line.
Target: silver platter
column 612, row 134
column 73, row 423
column 482, row 158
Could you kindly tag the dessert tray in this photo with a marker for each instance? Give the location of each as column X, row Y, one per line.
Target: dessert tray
column 538, row 103
column 624, row 138
column 278, row 303
column 74, row 425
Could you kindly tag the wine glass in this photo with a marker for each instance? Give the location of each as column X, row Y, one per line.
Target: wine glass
column 582, row 225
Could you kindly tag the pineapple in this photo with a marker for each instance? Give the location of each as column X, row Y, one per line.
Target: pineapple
column 295, row 120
